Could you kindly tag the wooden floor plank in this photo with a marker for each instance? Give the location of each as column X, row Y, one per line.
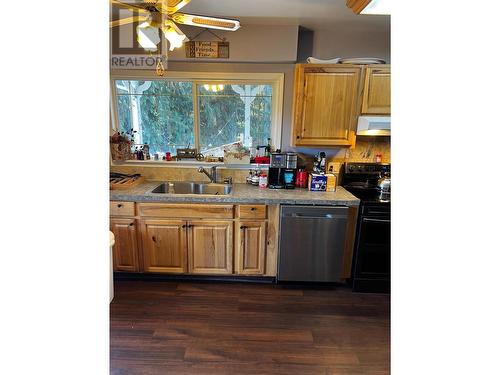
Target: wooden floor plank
column 184, row 328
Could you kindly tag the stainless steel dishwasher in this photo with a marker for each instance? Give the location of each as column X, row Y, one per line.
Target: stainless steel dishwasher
column 312, row 240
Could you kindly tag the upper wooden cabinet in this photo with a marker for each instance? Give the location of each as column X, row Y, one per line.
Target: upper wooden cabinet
column 210, row 247
column 164, row 245
column 125, row 252
column 377, row 91
column 327, row 101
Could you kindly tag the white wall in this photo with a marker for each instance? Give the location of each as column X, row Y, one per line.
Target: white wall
column 252, row 43
column 344, row 42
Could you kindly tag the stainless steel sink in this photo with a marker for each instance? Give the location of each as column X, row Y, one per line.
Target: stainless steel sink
column 185, row 187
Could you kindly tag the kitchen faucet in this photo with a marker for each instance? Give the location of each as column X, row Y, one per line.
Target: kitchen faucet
column 212, row 175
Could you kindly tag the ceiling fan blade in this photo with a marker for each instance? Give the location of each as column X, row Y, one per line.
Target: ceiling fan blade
column 208, row 22
column 130, row 7
column 125, row 21
column 170, row 6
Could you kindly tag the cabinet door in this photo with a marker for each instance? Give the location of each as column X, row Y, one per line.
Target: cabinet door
column 210, row 247
column 326, row 105
column 125, row 254
column 164, row 246
column 250, row 249
column 377, row 91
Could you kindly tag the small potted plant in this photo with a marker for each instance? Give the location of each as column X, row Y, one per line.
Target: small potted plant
column 121, row 145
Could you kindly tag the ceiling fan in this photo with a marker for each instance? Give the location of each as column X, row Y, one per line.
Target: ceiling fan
column 155, row 15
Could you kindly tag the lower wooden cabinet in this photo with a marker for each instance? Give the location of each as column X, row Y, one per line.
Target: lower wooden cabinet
column 165, row 238
column 250, row 252
column 164, row 245
column 125, row 251
column 210, row 247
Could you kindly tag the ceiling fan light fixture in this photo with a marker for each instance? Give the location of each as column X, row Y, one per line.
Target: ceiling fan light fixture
column 148, row 36
column 174, row 35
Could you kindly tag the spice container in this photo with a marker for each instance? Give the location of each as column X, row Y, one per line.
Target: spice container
column 263, row 181
column 255, row 178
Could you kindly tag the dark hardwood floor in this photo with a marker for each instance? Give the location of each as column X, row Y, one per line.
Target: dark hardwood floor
column 168, row 327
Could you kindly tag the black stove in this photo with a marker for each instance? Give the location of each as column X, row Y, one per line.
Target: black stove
column 361, row 180
column 371, row 262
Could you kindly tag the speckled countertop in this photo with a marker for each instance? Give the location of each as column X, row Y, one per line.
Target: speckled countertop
column 241, row 193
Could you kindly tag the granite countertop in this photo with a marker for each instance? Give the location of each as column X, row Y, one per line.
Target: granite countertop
column 241, row 193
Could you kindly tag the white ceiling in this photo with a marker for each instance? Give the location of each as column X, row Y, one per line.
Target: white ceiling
column 315, row 14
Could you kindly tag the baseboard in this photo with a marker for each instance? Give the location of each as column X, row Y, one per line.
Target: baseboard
column 197, row 278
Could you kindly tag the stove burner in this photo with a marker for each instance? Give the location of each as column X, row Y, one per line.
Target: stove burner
column 361, row 179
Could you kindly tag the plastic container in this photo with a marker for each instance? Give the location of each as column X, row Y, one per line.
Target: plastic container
column 263, row 181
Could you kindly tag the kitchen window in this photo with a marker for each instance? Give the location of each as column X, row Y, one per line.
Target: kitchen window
column 191, row 110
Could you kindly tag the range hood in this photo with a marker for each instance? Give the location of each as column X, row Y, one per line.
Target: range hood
column 374, row 125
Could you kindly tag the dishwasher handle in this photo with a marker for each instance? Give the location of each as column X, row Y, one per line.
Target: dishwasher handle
column 318, row 213
column 308, row 216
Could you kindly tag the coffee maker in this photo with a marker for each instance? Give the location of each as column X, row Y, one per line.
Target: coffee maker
column 290, row 172
column 277, row 166
column 282, row 170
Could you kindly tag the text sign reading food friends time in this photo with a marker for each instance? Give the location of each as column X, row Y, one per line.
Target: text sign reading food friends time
column 211, row 50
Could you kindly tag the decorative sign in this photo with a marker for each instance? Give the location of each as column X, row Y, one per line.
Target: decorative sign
column 210, row 50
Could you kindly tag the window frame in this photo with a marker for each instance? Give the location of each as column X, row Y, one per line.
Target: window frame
column 276, row 80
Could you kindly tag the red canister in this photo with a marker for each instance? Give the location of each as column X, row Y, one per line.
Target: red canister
column 168, row 156
column 301, row 180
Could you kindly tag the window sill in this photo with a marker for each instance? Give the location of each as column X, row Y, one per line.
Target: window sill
column 186, row 164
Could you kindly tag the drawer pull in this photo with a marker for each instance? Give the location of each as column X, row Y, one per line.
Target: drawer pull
column 153, row 238
column 183, row 225
column 120, row 205
column 252, row 209
column 131, row 224
column 243, row 227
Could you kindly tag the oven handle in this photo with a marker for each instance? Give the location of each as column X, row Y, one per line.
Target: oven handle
column 376, row 220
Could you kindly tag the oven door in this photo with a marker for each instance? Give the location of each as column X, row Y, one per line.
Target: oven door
column 373, row 259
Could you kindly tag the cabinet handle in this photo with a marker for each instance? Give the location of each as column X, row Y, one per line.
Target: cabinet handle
column 298, row 137
column 243, row 227
column 119, row 205
column 252, row 209
column 183, row 225
column 131, row 224
column 190, row 225
column 153, row 238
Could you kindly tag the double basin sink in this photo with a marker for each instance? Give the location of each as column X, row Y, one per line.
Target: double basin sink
column 186, row 187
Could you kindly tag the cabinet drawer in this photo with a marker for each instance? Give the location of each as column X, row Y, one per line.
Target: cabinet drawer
column 121, row 208
column 188, row 211
column 251, row 211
